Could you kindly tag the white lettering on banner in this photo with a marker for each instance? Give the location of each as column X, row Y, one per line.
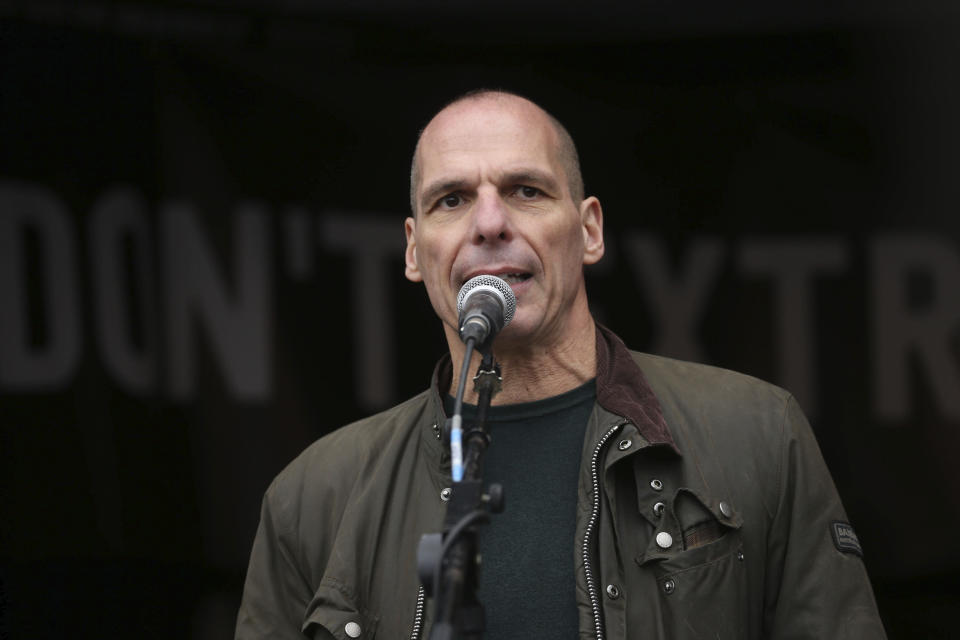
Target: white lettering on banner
column 372, row 241
column 927, row 331
column 239, row 327
column 677, row 300
column 159, row 294
column 25, row 366
column 121, row 216
column 792, row 264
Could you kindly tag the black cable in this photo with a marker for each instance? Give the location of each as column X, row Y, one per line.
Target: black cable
column 452, row 535
column 464, row 370
column 456, row 424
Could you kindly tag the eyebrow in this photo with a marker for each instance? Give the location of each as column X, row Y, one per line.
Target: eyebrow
column 522, row 176
column 533, row 176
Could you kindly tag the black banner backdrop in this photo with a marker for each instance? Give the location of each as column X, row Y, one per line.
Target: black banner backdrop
column 201, row 262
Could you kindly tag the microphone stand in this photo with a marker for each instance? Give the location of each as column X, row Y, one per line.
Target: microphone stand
column 449, row 564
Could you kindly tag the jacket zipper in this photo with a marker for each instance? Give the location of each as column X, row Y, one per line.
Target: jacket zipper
column 418, row 616
column 587, row 538
column 591, row 529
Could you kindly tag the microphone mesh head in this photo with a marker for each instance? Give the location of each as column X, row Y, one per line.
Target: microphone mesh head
column 494, row 284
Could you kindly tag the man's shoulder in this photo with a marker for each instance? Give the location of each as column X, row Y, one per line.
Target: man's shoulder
column 339, row 456
column 687, row 383
column 725, row 411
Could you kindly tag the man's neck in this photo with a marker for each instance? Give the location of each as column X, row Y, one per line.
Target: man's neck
column 537, row 371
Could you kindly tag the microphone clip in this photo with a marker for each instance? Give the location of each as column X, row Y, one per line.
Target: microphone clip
column 488, row 378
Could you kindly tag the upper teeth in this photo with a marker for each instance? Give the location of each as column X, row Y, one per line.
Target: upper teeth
column 512, row 277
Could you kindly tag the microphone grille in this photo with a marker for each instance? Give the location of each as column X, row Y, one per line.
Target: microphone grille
column 490, row 283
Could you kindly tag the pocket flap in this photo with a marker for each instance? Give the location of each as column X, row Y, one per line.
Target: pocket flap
column 697, row 529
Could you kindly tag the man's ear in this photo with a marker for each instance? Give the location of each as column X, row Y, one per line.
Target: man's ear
column 412, row 270
column 591, row 220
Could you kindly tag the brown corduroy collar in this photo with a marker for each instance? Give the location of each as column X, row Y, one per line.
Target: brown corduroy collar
column 622, row 389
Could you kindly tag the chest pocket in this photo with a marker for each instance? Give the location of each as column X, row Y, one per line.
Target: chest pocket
column 333, row 614
column 701, row 578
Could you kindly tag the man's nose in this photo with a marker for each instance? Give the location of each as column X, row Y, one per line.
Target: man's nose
column 491, row 218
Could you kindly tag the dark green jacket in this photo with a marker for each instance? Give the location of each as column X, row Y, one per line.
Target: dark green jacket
column 705, row 511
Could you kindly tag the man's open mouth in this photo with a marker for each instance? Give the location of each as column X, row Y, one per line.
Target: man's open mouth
column 509, row 278
column 514, row 278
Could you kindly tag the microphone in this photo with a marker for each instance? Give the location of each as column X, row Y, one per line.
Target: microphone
column 486, row 305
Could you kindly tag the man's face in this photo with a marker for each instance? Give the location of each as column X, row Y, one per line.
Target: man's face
column 493, row 198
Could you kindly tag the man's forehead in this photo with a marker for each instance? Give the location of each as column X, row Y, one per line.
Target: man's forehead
column 517, row 130
column 485, row 113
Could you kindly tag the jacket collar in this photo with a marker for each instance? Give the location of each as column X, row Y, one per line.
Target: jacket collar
column 622, row 389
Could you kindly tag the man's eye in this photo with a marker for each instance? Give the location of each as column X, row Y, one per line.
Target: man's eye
column 528, row 192
column 450, row 201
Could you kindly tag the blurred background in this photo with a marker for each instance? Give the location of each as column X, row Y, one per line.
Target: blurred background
column 201, row 207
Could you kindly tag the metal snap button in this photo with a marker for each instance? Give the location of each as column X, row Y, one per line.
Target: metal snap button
column 664, row 540
column 669, row 586
column 740, row 556
column 658, row 509
column 352, row 629
column 725, row 509
column 656, row 485
column 624, row 445
column 613, row 591
column 445, row 493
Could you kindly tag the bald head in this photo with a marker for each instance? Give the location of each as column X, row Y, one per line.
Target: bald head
column 564, row 148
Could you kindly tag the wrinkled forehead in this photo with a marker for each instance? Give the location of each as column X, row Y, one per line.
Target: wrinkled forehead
column 488, row 134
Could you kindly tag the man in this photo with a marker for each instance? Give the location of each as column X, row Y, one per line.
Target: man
column 647, row 498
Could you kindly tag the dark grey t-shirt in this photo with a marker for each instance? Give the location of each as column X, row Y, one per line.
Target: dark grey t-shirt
column 527, row 583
